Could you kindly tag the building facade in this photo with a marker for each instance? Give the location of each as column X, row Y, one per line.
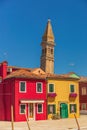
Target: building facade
column 63, row 96
column 26, row 92
column 83, row 95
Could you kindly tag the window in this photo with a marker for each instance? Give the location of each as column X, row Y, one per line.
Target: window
column 39, row 88
column 51, row 109
column 22, row 86
column 84, row 91
column 22, row 108
column 83, row 106
column 42, row 51
column 45, row 50
column 73, row 108
column 40, row 108
column 48, row 50
column 51, row 51
column 72, row 88
column 51, row 88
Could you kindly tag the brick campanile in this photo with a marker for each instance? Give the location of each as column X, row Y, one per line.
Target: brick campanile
column 47, row 56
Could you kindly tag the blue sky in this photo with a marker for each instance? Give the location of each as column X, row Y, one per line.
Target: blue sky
column 23, row 22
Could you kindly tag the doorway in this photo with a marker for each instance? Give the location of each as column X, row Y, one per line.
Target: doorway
column 31, row 111
column 63, row 110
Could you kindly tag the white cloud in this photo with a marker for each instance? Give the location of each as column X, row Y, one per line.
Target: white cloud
column 72, row 64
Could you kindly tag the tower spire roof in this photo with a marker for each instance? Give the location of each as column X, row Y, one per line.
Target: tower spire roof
column 48, row 34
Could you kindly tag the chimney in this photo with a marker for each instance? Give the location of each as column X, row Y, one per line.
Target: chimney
column 3, row 69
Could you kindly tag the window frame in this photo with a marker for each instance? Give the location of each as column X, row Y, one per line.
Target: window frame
column 82, row 106
column 49, row 88
column 54, row 108
column 82, row 91
column 20, row 109
column 70, row 88
column 38, row 109
column 20, row 87
column 75, row 108
column 37, row 87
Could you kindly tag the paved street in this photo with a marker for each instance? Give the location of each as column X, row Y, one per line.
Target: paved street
column 62, row 124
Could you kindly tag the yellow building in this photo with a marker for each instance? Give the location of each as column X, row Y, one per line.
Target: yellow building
column 63, row 95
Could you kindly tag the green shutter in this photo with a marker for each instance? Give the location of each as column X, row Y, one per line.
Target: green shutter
column 51, row 87
column 71, row 88
column 48, row 109
column 54, row 109
column 39, row 87
column 70, row 108
column 22, row 86
column 75, row 108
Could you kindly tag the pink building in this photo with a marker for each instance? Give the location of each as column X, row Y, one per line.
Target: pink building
column 25, row 89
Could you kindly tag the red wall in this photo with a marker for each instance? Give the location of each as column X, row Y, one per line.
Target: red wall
column 8, row 97
column 2, row 116
column 12, row 96
column 30, row 95
column 82, row 98
column 3, row 69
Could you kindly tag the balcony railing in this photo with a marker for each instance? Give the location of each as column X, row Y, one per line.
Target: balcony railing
column 73, row 95
column 52, row 94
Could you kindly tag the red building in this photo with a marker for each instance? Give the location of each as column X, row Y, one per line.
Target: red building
column 25, row 89
column 83, row 95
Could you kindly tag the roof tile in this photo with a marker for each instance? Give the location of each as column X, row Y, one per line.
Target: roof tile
column 22, row 73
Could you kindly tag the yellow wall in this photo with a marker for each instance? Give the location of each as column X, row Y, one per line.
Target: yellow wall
column 62, row 89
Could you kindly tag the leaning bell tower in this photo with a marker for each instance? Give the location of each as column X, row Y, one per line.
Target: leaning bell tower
column 47, row 56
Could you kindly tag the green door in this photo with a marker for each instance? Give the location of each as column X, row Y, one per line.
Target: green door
column 63, row 110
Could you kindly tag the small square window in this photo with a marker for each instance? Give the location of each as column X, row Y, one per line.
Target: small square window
column 22, row 108
column 51, row 88
column 22, row 87
column 40, row 108
column 39, row 87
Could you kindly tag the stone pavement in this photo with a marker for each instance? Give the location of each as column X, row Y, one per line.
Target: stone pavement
column 61, row 124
